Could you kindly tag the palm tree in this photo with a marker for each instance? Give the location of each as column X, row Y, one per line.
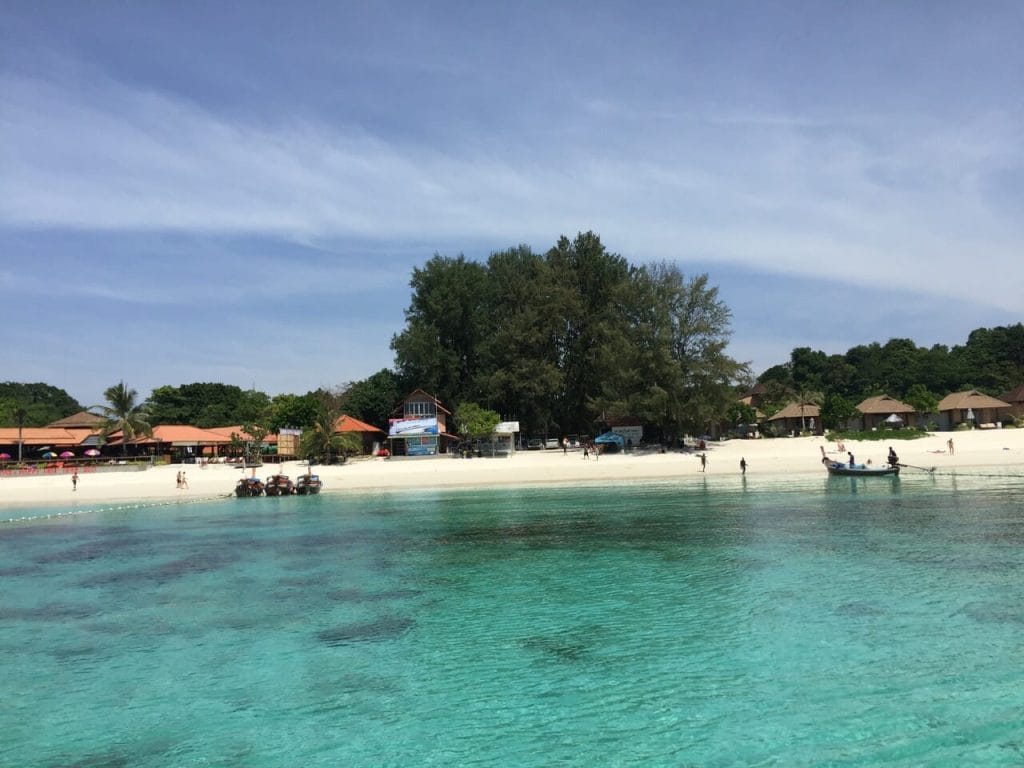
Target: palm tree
column 123, row 415
column 321, row 441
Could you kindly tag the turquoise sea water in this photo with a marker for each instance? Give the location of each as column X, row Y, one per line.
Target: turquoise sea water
column 716, row 622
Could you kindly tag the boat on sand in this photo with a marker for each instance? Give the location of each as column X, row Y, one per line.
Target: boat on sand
column 307, row 485
column 279, row 485
column 248, row 487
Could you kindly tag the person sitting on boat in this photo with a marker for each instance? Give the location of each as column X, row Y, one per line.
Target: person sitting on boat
column 850, row 454
column 893, row 458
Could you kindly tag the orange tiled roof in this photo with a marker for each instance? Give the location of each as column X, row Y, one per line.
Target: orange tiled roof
column 43, row 436
column 175, row 433
column 346, row 423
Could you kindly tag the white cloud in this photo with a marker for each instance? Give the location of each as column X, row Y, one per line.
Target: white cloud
column 870, row 199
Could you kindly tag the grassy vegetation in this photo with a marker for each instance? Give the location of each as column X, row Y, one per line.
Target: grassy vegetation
column 910, row 433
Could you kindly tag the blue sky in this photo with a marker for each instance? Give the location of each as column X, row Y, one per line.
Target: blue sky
column 238, row 192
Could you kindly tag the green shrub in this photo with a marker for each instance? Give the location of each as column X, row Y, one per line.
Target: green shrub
column 910, row 433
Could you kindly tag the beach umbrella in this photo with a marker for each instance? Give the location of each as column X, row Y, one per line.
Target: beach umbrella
column 894, row 419
column 67, row 455
column 92, row 452
column 4, row 456
column 49, row 455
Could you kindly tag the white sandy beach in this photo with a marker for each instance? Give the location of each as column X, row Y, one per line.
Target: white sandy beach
column 1003, row 449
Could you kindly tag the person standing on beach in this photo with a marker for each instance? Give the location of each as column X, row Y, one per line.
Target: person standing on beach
column 850, row 454
column 703, row 462
column 949, row 446
column 743, row 466
column 178, row 484
column 184, row 481
column 74, row 481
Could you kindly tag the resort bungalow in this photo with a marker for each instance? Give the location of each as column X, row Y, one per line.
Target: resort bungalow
column 797, row 417
column 420, row 426
column 883, row 410
column 971, row 408
column 1015, row 399
column 369, row 434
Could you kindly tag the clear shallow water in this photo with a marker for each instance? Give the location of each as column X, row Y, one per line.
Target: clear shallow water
column 815, row 622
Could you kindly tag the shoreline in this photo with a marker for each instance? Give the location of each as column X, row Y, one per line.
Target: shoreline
column 777, row 457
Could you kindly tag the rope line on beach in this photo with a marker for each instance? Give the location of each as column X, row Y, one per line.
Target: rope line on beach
column 953, row 473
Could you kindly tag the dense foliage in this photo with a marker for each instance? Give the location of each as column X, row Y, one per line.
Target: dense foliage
column 566, row 340
column 206, row 405
column 991, row 361
column 34, row 405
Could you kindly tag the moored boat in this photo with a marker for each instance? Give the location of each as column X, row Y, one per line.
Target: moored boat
column 307, row 485
column 248, row 487
column 279, row 485
column 859, row 470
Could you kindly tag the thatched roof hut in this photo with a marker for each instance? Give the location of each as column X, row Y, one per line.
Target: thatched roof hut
column 972, row 407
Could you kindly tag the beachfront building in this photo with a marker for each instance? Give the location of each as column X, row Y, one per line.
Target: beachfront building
column 419, row 426
column 972, row 408
column 1015, row 399
column 884, row 411
column 796, row 418
column 175, row 443
column 371, row 436
column 45, row 443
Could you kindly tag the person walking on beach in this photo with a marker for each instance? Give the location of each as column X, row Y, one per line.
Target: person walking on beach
column 184, row 481
column 74, row 481
column 703, row 462
column 586, row 450
column 743, row 466
column 178, row 484
column 949, row 446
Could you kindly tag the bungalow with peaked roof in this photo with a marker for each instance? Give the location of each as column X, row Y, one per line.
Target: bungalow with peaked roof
column 972, row 408
column 797, row 417
column 1015, row 399
column 419, row 426
column 878, row 411
column 81, row 420
column 368, row 433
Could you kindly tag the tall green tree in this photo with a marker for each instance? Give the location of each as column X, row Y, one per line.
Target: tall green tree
column 589, row 285
column 519, row 374
column 123, row 414
column 438, row 350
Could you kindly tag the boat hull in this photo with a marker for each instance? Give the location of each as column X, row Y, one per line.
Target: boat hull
column 860, row 470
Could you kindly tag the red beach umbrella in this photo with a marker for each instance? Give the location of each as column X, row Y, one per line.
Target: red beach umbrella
column 4, row 456
column 67, row 455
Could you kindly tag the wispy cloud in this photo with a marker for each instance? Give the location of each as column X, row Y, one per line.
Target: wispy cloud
column 866, row 198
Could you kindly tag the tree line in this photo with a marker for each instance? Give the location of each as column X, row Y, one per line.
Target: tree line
column 991, row 361
column 565, row 341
